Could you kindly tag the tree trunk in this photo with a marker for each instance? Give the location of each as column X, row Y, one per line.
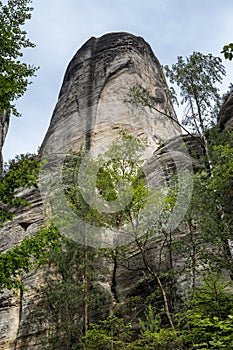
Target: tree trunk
column 4, row 125
column 85, row 289
column 156, row 276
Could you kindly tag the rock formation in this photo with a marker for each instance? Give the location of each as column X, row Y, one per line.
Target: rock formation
column 225, row 118
column 91, row 109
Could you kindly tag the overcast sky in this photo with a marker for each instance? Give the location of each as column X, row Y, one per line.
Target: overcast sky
column 60, row 27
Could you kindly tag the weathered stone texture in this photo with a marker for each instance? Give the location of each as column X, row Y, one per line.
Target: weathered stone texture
column 91, row 108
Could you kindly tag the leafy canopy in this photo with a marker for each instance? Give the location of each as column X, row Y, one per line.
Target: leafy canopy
column 197, row 76
column 14, row 73
column 119, row 166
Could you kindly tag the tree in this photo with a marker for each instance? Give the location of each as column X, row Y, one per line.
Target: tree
column 153, row 336
column 110, row 195
column 102, row 201
column 14, row 74
column 197, row 76
column 66, row 297
column 109, row 334
column 208, row 322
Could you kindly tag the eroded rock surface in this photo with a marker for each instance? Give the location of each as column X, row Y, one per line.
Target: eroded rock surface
column 92, row 107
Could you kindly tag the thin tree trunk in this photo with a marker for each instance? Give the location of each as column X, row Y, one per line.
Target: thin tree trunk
column 203, row 130
column 114, row 282
column 20, row 295
column 193, row 256
column 85, row 290
column 4, row 126
column 147, row 265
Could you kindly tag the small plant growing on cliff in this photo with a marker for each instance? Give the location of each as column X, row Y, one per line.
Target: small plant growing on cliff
column 21, row 172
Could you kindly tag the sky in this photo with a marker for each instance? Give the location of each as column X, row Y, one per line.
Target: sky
column 60, row 27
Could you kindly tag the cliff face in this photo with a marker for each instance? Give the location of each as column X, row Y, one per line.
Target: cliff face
column 90, row 112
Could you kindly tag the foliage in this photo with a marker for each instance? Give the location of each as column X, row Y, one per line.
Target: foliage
column 228, row 51
column 164, row 339
column 21, row 172
column 64, row 295
column 112, row 176
column 208, row 323
column 112, row 334
column 30, row 253
column 213, row 297
column 14, row 73
column 138, row 95
column 153, row 336
column 196, row 76
column 208, row 221
column 208, row 333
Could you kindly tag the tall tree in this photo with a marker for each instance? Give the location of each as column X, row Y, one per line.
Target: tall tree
column 14, row 74
column 197, row 76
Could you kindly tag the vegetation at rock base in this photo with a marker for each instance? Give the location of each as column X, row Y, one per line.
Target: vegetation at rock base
column 71, row 294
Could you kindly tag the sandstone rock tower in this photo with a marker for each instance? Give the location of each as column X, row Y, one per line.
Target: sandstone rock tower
column 91, row 107
column 90, row 111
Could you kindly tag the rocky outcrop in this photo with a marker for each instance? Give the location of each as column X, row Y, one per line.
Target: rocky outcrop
column 91, row 110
